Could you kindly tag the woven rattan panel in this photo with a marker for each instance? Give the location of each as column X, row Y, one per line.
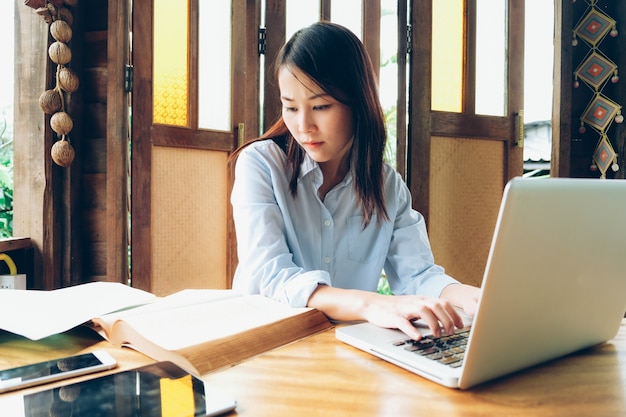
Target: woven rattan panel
column 466, row 186
column 189, row 205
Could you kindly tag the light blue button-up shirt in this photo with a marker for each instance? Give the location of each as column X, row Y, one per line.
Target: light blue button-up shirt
column 288, row 246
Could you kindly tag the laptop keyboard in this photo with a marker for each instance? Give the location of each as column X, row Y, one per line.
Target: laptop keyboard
column 447, row 350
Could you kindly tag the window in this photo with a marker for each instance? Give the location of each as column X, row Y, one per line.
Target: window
column 6, row 119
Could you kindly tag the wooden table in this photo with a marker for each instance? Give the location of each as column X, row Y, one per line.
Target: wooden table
column 320, row 376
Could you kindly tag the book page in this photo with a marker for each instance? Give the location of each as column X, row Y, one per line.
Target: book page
column 36, row 314
column 198, row 323
column 180, row 299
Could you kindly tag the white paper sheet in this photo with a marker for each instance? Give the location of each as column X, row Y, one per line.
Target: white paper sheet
column 37, row 314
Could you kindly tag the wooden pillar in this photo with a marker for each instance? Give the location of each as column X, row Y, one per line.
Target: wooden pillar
column 34, row 191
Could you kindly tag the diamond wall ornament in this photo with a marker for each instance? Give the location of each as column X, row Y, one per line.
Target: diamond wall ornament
column 604, row 156
column 600, row 112
column 595, row 70
column 594, row 27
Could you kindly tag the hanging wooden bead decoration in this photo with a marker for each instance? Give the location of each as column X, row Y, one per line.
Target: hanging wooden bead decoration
column 52, row 101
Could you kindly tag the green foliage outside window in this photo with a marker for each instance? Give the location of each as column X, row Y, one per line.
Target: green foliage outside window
column 6, row 177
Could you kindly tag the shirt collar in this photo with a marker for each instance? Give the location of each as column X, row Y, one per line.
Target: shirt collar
column 309, row 166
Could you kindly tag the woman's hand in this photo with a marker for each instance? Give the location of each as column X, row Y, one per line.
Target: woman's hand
column 396, row 312
column 400, row 312
column 463, row 296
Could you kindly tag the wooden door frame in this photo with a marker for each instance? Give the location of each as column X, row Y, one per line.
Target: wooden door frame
column 117, row 194
column 251, row 109
column 141, row 166
column 35, row 193
column 560, row 160
column 424, row 123
column 145, row 134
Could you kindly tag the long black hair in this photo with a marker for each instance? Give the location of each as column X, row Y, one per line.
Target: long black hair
column 336, row 60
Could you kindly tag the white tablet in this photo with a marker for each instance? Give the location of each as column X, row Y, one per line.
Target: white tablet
column 56, row 369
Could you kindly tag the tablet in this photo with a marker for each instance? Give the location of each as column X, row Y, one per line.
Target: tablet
column 53, row 370
column 157, row 390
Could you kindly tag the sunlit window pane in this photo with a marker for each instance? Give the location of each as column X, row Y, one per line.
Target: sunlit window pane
column 389, row 73
column 300, row 14
column 214, row 65
column 447, row 50
column 348, row 13
column 538, row 61
column 491, row 57
column 171, row 41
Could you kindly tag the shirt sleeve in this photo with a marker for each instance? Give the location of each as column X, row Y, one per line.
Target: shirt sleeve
column 266, row 265
column 410, row 266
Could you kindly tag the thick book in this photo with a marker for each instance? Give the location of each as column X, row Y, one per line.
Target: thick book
column 199, row 330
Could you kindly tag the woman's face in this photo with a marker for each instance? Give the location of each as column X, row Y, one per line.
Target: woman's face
column 320, row 124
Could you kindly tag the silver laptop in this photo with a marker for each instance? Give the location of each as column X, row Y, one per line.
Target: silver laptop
column 554, row 283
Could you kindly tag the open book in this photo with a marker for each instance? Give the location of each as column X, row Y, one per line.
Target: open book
column 199, row 330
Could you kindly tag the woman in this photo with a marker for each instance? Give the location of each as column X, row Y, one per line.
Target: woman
column 319, row 215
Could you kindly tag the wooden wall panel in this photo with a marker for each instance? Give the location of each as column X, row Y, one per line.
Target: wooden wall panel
column 96, row 43
column 95, row 84
column 94, row 157
column 96, row 226
column 189, row 227
column 466, row 185
column 93, row 203
column 94, row 191
column 96, row 267
column 95, row 114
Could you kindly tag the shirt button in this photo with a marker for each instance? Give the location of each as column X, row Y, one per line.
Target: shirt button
column 326, row 223
column 327, row 260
